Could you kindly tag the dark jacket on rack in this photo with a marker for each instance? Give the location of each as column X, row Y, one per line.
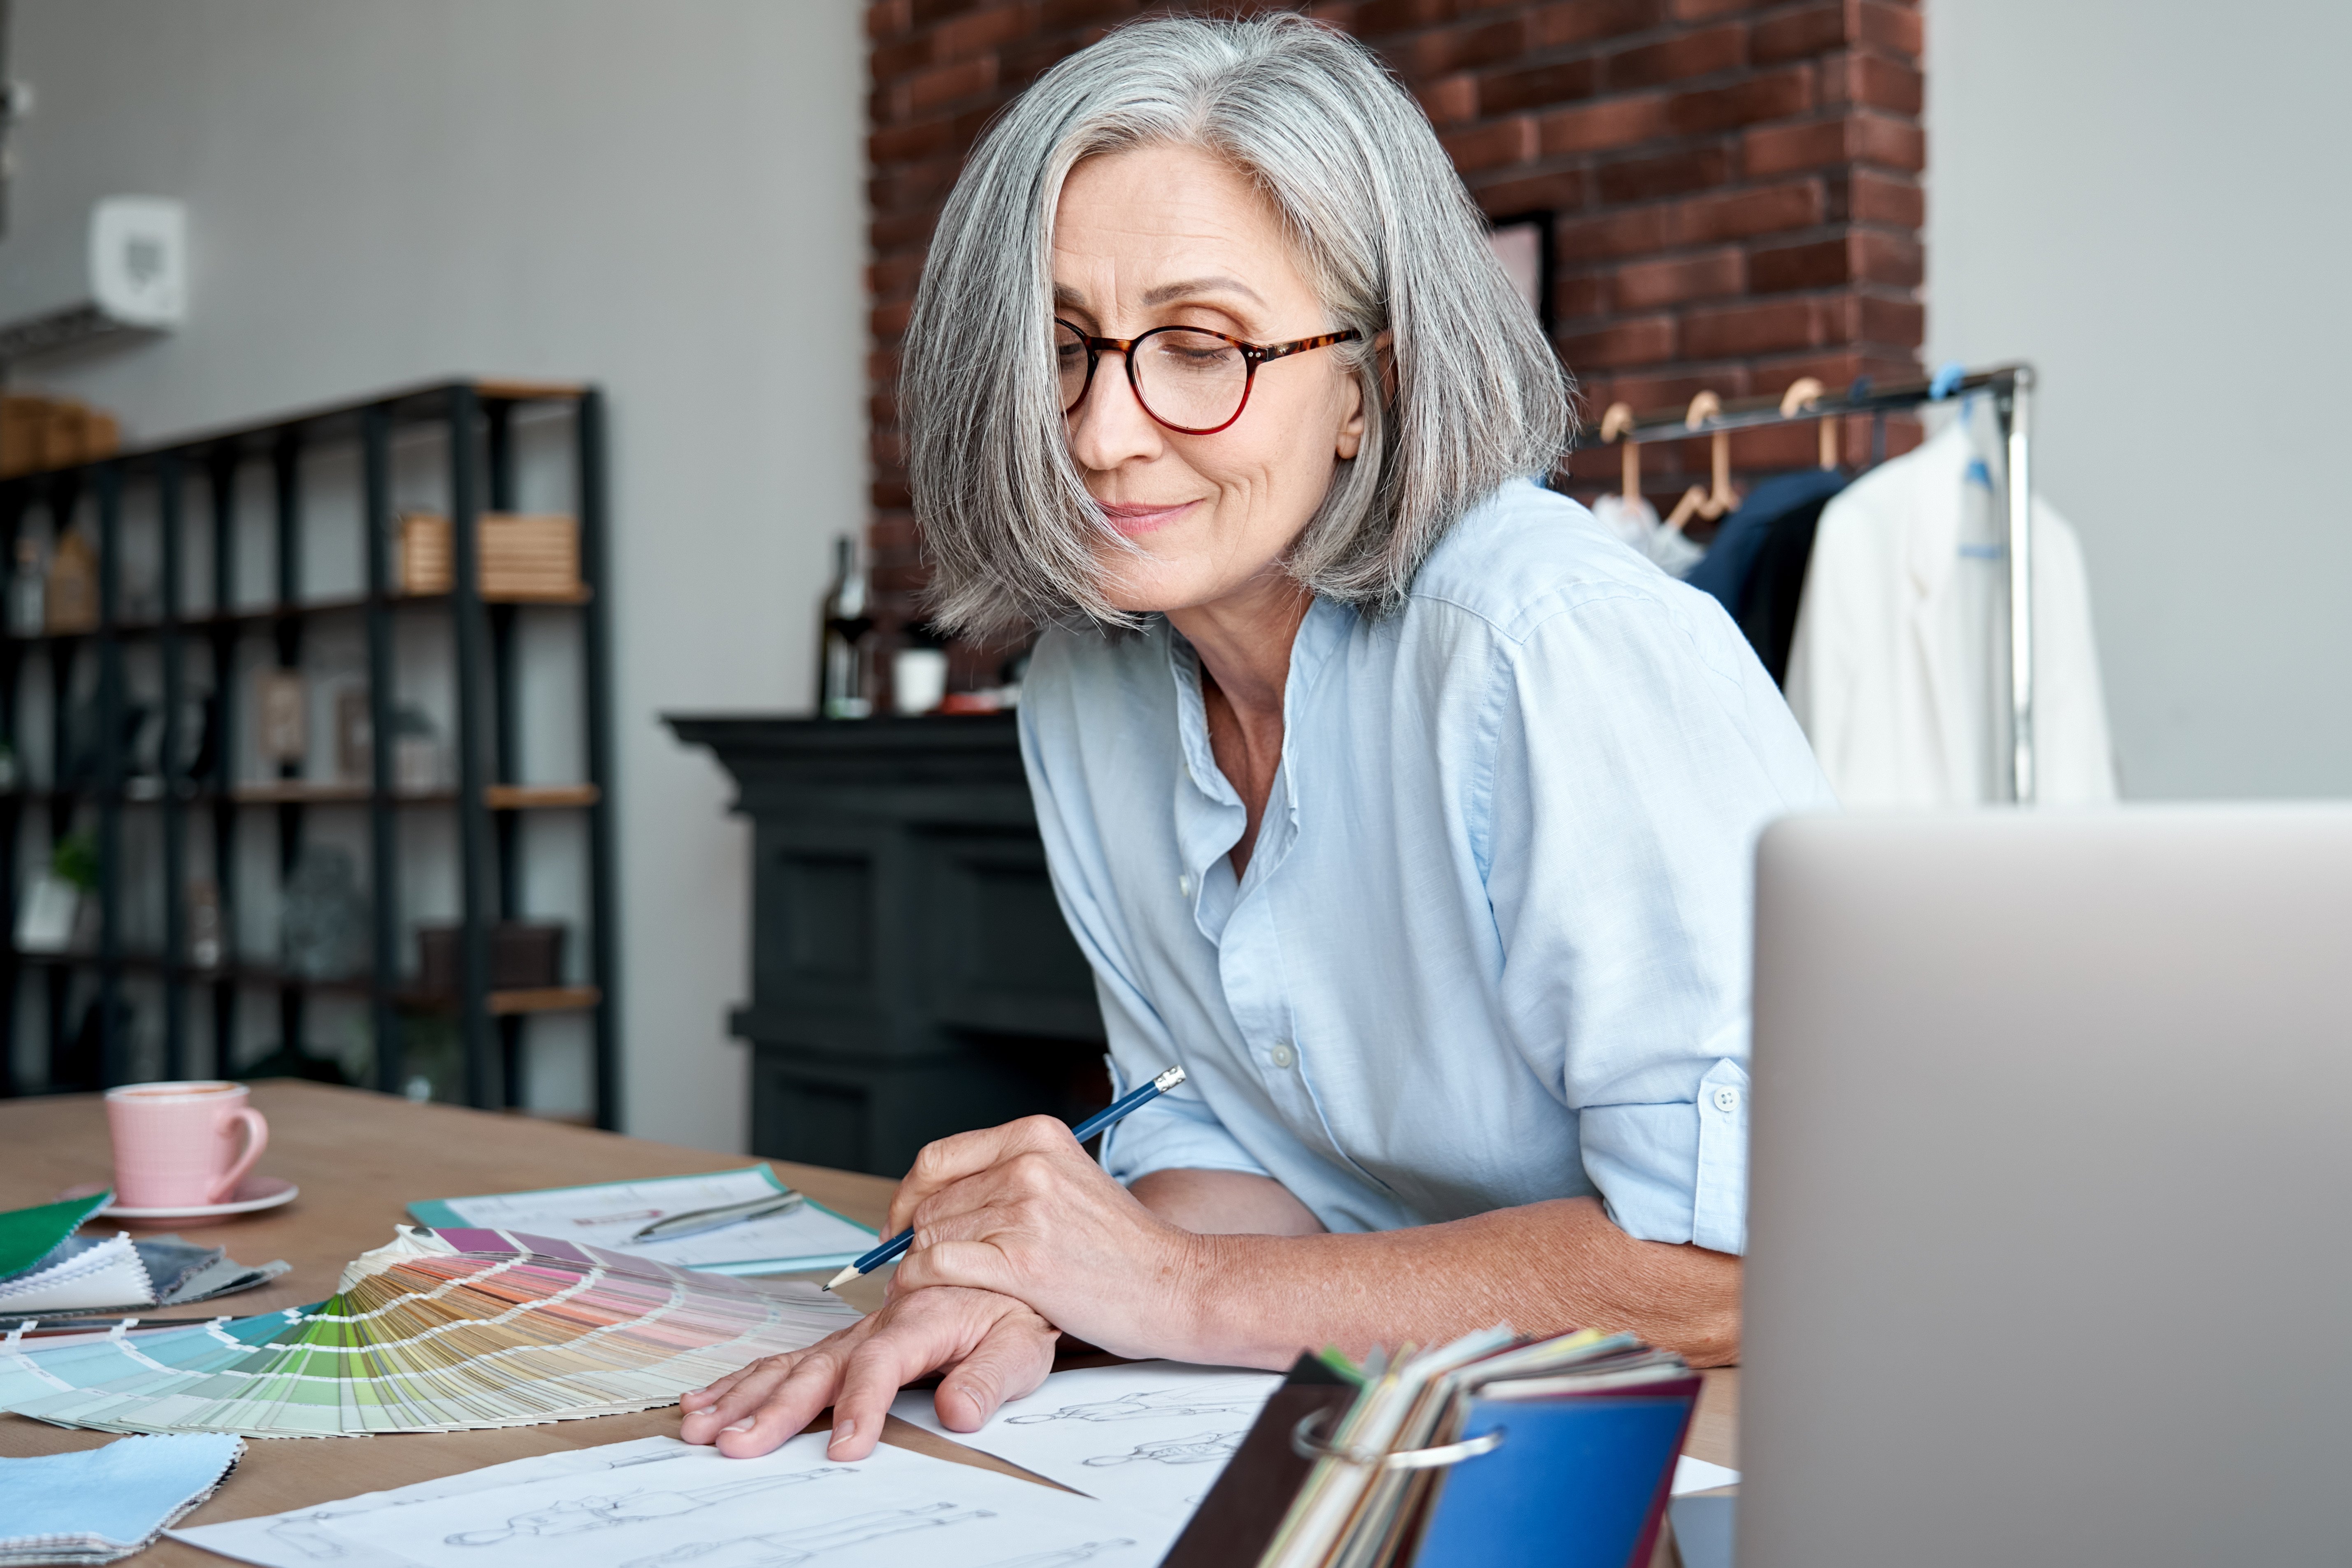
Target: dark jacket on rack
column 1757, row 566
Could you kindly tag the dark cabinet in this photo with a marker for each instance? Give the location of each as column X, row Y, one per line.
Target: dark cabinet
column 911, row 974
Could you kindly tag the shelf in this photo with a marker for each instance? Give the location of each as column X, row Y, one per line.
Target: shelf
column 232, row 973
column 503, row 1004
column 520, row 391
column 299, row 791
column 262, row 613
column 498, row 798
column 127, row 500
column 541, row 797
column 424, row 403
column 550, row 999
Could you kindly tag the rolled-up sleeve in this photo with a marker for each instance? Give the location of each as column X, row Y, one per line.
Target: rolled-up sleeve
column 1177, row 1131
column 1637, row 756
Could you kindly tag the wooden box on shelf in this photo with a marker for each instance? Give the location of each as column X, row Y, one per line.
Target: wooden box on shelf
column 524, row 556
column 38, row 433
column 71, row 595
column 525, row 955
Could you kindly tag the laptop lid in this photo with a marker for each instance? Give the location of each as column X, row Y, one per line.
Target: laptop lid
column 2051, row 1229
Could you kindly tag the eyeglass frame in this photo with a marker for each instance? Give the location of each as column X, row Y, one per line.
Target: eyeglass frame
column 1253, row 356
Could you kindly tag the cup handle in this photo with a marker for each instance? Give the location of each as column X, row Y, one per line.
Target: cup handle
column 256, row 1138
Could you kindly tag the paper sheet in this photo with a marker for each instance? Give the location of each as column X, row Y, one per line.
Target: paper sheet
column 1698, row 1476
column 1152, row 1436
column 810, row 1237
column 296, row 1539
column 692, row 1508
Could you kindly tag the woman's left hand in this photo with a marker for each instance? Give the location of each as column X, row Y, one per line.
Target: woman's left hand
column 1020, row 1210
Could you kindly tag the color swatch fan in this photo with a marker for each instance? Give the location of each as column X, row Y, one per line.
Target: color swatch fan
column 439, row 1331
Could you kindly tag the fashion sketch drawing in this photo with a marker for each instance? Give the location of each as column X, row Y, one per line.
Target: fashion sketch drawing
column 1206, row 1447
column 784, row 1548
column 575, row 1516
column 1234, row 1397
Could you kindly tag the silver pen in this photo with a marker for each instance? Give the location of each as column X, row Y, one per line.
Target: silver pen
column 677, row 1226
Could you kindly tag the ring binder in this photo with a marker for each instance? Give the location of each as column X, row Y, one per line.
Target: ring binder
column 1565, row 1454
column 1307, row 1445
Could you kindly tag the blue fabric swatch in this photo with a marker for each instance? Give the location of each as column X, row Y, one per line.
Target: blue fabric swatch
column 123, row 1493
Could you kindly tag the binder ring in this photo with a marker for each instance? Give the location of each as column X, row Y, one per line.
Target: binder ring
column 1307, row 1445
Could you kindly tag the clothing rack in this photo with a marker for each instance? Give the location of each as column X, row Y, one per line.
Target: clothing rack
column 2009, row 388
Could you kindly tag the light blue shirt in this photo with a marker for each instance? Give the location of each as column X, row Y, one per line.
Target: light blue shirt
column 1492, row 946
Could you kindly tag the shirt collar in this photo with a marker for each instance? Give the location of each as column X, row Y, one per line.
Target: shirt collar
column 1210, row 817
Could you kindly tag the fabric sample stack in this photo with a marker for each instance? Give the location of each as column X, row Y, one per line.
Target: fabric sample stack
column 106, row 1503
column 46, row 1271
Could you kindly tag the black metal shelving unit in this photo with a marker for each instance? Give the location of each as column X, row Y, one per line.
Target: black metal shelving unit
column 477, row 420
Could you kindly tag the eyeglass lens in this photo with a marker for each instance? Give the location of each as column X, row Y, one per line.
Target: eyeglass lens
column 1192, row 380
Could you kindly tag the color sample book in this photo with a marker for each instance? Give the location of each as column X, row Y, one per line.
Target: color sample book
column 437, row 1331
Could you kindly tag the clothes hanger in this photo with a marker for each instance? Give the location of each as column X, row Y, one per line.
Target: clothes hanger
column 1806, row 392
column 1701, row 501
column 1617, row 423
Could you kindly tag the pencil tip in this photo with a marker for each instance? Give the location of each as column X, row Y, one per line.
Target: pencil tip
column 843, row 1278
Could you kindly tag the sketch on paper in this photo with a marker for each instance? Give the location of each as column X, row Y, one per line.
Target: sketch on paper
column 785, row 1548
column 305, row 1533
column 1149, row 1436
column 1234, row 1396
column 1084, row 1552
column 574, row 1516
column 1201, row 1449
column 892, row 1510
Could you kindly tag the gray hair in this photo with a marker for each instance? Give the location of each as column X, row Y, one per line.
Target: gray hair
column 1388, row 236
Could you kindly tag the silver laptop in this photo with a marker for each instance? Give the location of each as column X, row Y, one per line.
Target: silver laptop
column 2050, row 1249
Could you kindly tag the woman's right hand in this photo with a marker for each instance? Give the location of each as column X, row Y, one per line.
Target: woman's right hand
column 993, row 1347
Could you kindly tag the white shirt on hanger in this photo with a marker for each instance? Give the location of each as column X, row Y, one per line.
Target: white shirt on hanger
column 1899, row 670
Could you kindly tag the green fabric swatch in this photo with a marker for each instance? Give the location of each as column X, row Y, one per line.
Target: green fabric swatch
column 27, row 1236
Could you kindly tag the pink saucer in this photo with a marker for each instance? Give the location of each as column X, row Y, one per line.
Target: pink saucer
column 253, row 1195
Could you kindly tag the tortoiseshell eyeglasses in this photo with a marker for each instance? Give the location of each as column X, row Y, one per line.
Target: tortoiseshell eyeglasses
column 1193, row 381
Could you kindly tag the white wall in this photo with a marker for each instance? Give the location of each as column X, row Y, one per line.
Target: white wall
column 2148, row 199
column 660, row 195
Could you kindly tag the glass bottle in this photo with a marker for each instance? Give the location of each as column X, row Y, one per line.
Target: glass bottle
column 28, row 591
column 845, row 624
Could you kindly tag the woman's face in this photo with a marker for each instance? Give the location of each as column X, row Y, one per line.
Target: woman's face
column 1160, row 236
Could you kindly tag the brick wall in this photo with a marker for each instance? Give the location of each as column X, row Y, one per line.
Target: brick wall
column 1734, row 186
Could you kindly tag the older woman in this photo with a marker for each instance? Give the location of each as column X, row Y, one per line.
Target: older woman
column 1384, row 791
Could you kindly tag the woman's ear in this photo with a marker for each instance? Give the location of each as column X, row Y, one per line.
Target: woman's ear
column 1351, row 429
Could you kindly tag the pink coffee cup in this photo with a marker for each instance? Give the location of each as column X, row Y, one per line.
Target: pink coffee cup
column 176, row 1144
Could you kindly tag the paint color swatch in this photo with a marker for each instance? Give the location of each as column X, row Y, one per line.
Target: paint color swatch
column 441, row 1330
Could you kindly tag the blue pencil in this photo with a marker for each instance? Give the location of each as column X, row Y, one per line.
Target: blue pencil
column 1135, row 1099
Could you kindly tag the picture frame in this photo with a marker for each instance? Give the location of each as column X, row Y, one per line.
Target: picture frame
column 1524, row 244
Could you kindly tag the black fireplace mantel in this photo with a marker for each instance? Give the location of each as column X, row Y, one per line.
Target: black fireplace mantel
column 911, row 974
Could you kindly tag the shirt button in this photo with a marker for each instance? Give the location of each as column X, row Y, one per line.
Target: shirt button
column 1283, row 1056
column 1184, row 886
column 1727, row 1100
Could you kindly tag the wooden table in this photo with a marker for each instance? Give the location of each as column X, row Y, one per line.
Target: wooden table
column 359, row 1158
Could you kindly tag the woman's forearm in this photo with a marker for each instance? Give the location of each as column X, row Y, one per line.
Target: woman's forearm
column 1225, row 1203
column 1259, row 1299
